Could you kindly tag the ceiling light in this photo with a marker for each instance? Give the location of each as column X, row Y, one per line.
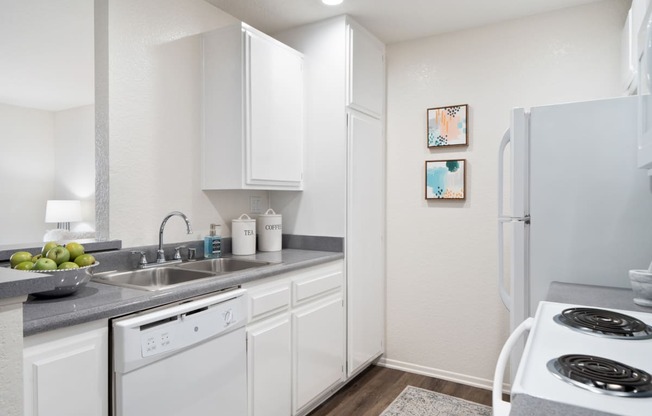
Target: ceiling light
column 331, row 2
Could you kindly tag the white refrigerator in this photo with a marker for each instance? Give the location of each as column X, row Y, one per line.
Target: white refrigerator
column 575, row 208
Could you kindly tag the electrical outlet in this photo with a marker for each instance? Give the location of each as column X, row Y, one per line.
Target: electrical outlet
column 256, row 204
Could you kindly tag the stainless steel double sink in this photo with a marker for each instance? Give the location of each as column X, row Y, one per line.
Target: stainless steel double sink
column 165, row 277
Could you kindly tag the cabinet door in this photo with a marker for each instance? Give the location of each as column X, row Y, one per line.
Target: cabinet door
column 274, row 134
column 269, row 367
column 318, row 338
column 67, row 375
column 365, row 246
column 366, row 72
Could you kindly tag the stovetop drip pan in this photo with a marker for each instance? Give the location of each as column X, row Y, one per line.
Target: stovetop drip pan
column 602, row 375
column 604, row 323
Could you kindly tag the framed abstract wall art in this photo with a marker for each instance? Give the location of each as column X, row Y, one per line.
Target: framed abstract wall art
column 446, row 179
column 447, row 126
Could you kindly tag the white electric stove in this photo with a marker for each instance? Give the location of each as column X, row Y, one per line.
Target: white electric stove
column 580, row 360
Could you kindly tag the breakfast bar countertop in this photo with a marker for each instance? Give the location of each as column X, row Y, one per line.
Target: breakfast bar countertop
column 100, row 301
column 16, row 283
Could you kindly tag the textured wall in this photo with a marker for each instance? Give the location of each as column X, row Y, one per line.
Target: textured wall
column 444, row 316
column 11, row 357
column 155, row 121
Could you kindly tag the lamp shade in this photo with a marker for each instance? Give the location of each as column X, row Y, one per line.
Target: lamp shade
column 63, row 211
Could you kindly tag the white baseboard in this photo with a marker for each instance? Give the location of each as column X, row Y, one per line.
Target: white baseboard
column 441, row 374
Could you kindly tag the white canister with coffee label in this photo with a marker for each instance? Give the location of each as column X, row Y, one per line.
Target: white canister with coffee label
column 270, row 231
column 243, row 236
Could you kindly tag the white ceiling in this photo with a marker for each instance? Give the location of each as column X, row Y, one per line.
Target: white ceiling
column 46, row 47
column 390, row 20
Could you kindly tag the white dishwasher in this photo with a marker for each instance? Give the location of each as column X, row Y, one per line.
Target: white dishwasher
column 187, row 358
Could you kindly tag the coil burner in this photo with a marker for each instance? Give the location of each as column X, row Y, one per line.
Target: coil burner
column 604, row 323
column 601, row 375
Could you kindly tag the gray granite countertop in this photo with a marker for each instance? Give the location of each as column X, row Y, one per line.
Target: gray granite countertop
column 598, row 296
column 98, row 301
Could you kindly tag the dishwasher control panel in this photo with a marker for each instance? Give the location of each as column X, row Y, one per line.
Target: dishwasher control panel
column 178, row 331
column 156, row 342
column 166, row 329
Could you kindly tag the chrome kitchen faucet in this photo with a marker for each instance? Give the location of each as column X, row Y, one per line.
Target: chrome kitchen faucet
column 160, row 254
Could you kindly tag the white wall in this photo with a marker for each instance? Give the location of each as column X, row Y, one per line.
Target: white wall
column 46, row 155
column 74, row 156
column 155, row 122
column 444, row 316
column 26, row 172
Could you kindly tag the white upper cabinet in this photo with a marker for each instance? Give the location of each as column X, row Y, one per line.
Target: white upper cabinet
column 366, row 65
column 253, row 111
column 644, row 88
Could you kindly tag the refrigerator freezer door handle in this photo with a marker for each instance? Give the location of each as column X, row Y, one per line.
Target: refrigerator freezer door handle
column 500, row 407
column 502, row 290
column 525, row 219
column 501, row 167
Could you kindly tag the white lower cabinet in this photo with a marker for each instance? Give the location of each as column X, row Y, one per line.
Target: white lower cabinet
column 269, row 367
column 65, row 371
column 318, row 350
column 295, row 339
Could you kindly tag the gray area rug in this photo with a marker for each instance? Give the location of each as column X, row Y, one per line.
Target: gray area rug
column 414, row 401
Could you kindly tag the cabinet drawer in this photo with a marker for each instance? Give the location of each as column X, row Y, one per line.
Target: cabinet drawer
column 311, row 286
column 262, row 301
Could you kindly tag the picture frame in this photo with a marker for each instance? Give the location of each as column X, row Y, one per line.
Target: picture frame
column 447, row 126
column 445, row 179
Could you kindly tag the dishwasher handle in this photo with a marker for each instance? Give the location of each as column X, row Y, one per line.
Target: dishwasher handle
column 176, row 309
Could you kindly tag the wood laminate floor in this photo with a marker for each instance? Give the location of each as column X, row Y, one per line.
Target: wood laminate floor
column 374, row 389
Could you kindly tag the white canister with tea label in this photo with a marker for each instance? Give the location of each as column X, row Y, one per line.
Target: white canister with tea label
column 270, row 231
column 243, row 236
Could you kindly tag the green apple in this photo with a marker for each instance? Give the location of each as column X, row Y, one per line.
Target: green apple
column 59, row 254
column 45, row 263
column 24, row 265
column 34, row 258
column 19, row 257
column 75, row 250
column 68, row 265
column 85, row 260
column 48, row 246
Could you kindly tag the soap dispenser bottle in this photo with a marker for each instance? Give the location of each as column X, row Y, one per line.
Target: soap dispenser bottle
column 213, row 243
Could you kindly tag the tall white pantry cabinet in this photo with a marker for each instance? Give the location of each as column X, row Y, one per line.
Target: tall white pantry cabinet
column 344, row 183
